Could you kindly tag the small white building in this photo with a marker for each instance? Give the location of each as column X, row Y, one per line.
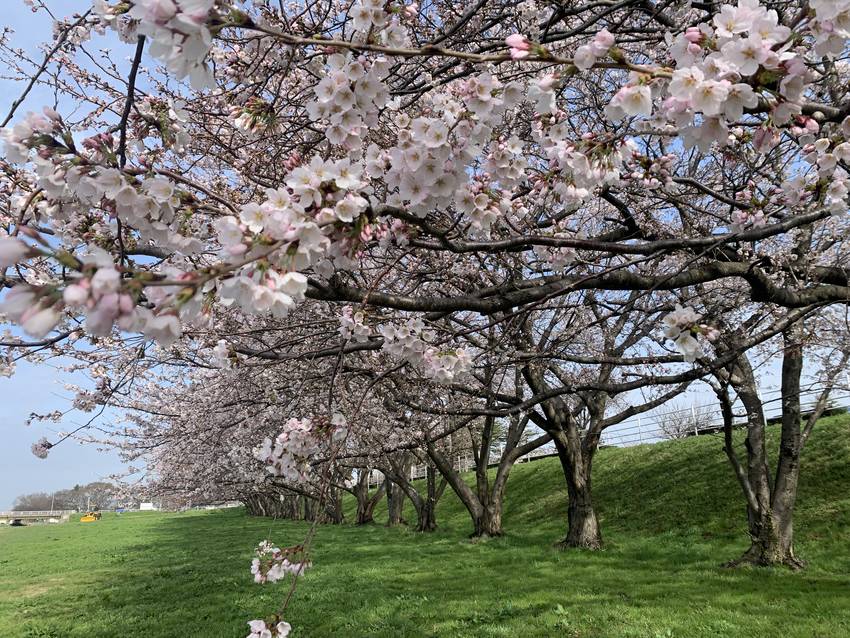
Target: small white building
column 147, row 507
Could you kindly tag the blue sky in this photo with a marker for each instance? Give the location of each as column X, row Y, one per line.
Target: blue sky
column 40, row 388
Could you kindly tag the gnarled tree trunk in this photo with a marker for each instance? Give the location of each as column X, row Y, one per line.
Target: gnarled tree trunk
column 332, row 507
column 770, row 505
column 485, row 502
column 395, row 503
column 425, row 504
column 426, row 512
column 489, row 521
column 366, row 503
column 582, row 523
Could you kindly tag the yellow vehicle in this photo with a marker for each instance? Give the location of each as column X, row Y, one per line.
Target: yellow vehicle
column 90, row 517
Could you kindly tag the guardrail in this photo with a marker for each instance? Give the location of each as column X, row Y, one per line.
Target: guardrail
column 648, row 428
column 34, row 513
column 44, row 516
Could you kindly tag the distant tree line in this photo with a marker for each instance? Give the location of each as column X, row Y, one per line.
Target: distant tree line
column 95, row 496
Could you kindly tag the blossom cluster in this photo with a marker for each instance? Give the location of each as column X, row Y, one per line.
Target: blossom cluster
column 77, row 180
column 409, row 342
column 7, row 366
column 289, row 454
column 12, row 251
column 557, row 258
column 314, row 218
column 831, row 26
column 352, row 325
column 587, row 54
column 254, row 117
column 652, row 173
column 41, row 448
column 36, row 315
column 682, row 326
column 427, row 168
column 100, row 296
column 577, row 168
column 273, row 564
column 168, row 117
column 349, row 97
column 260, row 629
column 372, row 16
column 178, row 29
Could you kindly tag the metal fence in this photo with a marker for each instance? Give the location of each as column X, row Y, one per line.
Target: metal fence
column 34, row 513
column 654, row 427
column 704, row 418
column 40, row 516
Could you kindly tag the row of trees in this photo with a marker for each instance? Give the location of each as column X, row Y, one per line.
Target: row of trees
column 96, row 496
column 525, row 398
column 327, row 237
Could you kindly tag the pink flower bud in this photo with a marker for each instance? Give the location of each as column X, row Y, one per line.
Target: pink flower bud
column 76, row 294
column 519, row 44
column 518, row 41
column 693, row 35
column 602, row 43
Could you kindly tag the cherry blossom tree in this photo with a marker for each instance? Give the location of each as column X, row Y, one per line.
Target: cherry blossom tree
column 404, row 178
column 770, row 498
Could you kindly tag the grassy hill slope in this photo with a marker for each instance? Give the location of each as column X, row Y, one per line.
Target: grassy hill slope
column 671, row 513
column 675, row 486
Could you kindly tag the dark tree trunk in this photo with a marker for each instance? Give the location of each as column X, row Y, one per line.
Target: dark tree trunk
column 484, row 507
column 365, row 503
column 466, row 494
column 310, row 508
column 772, row 542
column 333, row 512
column 582, row 523
column 248, row 502
column 365, row 512
column 426, row 513
column 426, row 518
column 770, row 505
column 425, row 504
column 489, row 522
column 395, row 503
column 289, row 507
column 486, row 501
column 557, row 420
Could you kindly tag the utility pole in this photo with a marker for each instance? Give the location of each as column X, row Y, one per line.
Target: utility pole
column 52, row 500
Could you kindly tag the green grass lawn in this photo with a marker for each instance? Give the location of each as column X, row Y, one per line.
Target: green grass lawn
column 671, row 514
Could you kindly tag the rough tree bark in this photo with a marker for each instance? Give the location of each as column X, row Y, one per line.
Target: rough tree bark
column 395, row 503
column 576, row 451
column 770, row 528
column 332, row 511
column 485, row 502
column 426, row 514
column 582, row 523
column 557, row 420
column 770, row 503
column 366, row 503
column 425, row 504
